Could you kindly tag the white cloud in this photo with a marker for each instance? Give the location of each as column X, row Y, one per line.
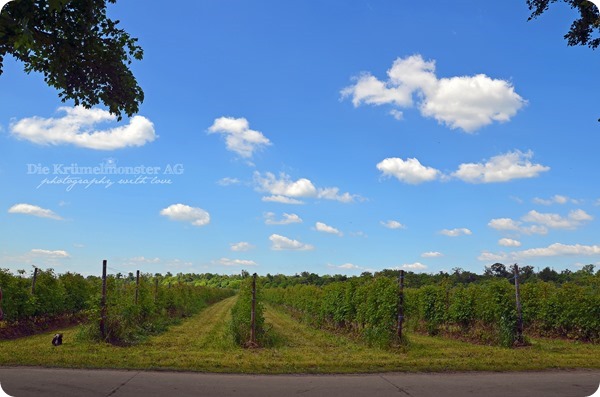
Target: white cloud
column 47, row 254
column 241, row 246
column 322, row 227
column 465, row 102
column 185, row 213
column 540, row 223
column 346, row 266
column 491, row 257
column 508, row 224
column 227, row 181
column 34, row 210
column 501, row 168
column 236, row 262
column 508, row 242
column 281, row 199
column 431, row 254
column 391, row 224
column 285, row 190
column 76, row 127
column 414, row 266
column 282, row 243
column 558, row 249
column 555, row 221
column 239, row 138
column 286, row 220
column 556, row 199
column 143, row 259
column 409, row 170
column 553, row 250
column 456, row 232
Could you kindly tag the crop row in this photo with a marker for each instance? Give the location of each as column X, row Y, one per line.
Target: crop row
column 485, row 312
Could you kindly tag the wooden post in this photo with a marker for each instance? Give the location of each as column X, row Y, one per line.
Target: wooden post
column 137, row 286
column 1, row 312
column 35, row 271
column 103, row 302
column 400, row 305
column 519, row 311
column 253, row 312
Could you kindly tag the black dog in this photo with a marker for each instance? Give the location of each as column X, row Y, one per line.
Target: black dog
column 57, row 341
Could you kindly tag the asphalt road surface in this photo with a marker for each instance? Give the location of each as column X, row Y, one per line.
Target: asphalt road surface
column 36, row 382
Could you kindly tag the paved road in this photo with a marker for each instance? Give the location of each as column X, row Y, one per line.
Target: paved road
column 36, row 382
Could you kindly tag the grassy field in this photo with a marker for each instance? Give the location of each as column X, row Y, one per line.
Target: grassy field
column 203, row 343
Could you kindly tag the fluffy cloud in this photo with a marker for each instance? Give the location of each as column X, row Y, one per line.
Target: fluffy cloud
column 456, row 232
column 346, row 266
column 491, row 257
column 281, row 199
column 33, row 210
column 540, row 223
column 555, row 221
column 553, row 250
column 414, row 266
column 556, row 199
column 409, row 170
column 76, row 128
column 431, row 254
column 286, row 220
column 508, row 224
column 282, row 243
column 239, row 138
column 236, row 262
column 47, row 254
column 185, row 213
column 508, row 242
column 241, row 246
column 227, row 181
column 322, row 227
column 287, row 191
column 501, row 168
column 465, row 102
column 391, row 224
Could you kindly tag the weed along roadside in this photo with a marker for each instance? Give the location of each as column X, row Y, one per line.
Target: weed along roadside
column 361, row 324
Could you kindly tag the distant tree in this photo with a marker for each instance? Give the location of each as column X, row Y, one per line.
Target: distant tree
column 79, row 50
column 497, row 270
column 547, row 274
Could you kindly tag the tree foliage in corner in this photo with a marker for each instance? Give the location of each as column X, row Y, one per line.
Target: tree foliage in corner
column 584, row 31
column 78, row 49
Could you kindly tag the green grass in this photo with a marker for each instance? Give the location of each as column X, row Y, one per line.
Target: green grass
column 203, row 343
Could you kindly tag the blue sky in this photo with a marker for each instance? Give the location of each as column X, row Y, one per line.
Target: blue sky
column 331, row 137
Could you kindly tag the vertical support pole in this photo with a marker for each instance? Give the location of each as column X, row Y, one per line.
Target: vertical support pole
column 35, row 272
column 519, row 310
column 103, row 302
column 137, row 286
column 253, row 313
column 400, row 305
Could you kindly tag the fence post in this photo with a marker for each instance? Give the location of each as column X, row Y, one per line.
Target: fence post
column 519, row 311
column 35, row 271
column 103, row 302
column 1, row 312
column 400, row 305
column 253, row 312
column 137, row 286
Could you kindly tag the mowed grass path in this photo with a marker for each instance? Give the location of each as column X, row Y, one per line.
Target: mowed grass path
column 203, row 343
